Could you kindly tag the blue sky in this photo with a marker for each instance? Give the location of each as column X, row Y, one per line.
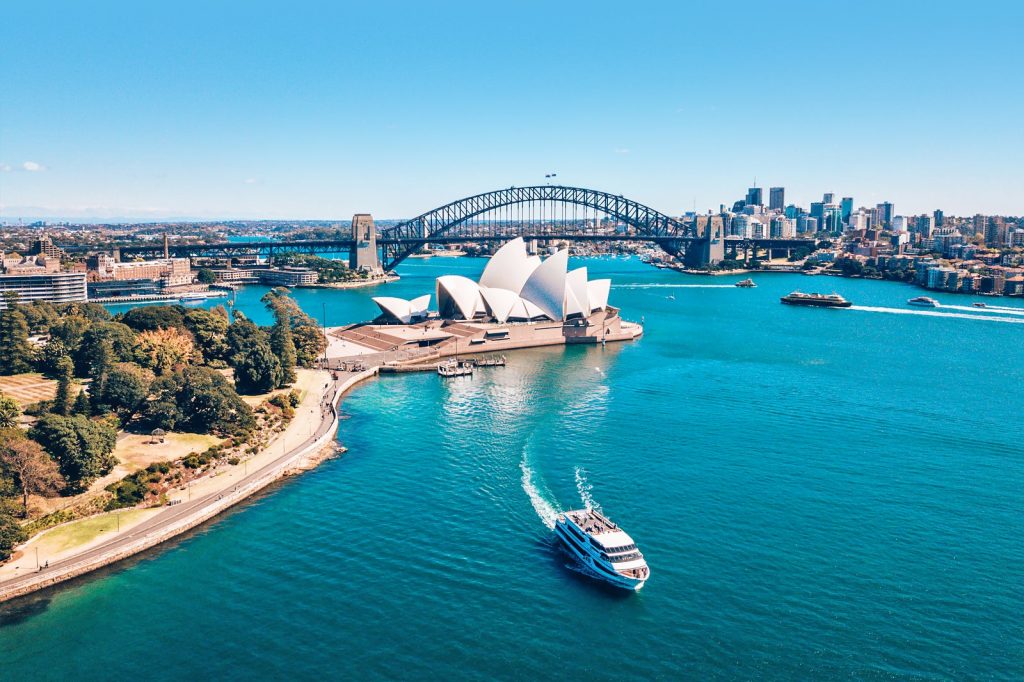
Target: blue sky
column 303, row 110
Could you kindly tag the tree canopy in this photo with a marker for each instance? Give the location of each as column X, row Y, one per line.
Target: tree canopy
column 82, row 448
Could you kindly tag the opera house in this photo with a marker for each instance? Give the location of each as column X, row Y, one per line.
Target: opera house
column 519, row 301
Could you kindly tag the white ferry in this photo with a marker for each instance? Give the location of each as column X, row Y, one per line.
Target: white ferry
column 924, row 302
column 603, row 548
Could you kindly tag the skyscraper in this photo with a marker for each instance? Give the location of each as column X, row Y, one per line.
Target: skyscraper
column 847, row 206
column 755, row 197
column 939, row 217
column 829, row 198
column 925, row 226
column 885, row 214
column 817, row 210
column 777, row 198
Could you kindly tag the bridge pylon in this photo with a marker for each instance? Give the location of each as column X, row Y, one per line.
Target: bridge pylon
column 364, row 255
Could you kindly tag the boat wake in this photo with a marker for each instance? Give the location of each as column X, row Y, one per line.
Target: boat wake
column 547, row 512
column 673, row 286
column 584, row 488
column 990, row 309
column 934, row 313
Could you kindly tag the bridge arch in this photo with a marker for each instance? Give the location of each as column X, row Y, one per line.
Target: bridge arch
column 402, row 240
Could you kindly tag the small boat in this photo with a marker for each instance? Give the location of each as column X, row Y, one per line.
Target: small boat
column 979, row 304
column 455, row 369
column 816, row 300
column 604, row 549
column 188, row 298
column 498, row 361
column 746, row 283
column 924, row 302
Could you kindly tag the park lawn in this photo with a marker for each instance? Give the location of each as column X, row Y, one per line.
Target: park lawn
column 28, row 388
column 83, row 531
column 137, row 451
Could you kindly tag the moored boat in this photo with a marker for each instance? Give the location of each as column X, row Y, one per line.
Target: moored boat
column 604, row 549
column 924, row 301
column 816, row 300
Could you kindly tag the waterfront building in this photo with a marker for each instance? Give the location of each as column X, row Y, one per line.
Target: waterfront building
column 289, row 276
column 171, row 272
column 776, row 198
column 13, row 264
column 56, row 287
column 124, row 287
column 847, row 208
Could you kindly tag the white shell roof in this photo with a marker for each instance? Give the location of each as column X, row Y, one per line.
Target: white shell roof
column 597, row 292
column 509, row 267
column 401, row 309
column 577, row 300
column 461, row 291
column 545, row 287
column 499, row 302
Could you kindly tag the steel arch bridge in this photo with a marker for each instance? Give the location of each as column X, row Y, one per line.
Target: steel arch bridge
column 401, row 241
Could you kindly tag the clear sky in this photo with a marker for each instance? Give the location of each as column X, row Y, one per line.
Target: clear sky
column 292, row 109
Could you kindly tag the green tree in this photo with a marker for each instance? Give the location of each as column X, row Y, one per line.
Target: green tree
column 82, row 448
column 126, row 389
column 206, row 276
column 209, row 328
column 40, row 315
column 310, row 343
column 210, row 404
column 11, row 535
column 257, row 369
column 15, row 353
column 81, row 404
column 62, row 400
column 120, row 341
column 69, row 330
column 50, row 358
column 9, row 412
column 150, row 318
column 284, row 348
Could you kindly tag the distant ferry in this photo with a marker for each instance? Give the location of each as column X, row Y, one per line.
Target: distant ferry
column 817, row 300
column 746, row 283
column 924, row 301
column 192, row 297
column 603, row 548
column 979, row 304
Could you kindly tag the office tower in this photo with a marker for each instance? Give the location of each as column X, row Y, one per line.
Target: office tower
column 847, row 205
column 817, row 210
column 828, row 198
column 832, row 219
column 939, row 217
column 755, row 197
column 777, row 198
column 925, row 226
column 885, row 214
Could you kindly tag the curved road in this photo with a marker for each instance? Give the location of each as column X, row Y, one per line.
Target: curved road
column 164, row 522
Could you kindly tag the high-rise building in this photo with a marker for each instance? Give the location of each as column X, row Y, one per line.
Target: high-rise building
column 828, row 198
column 899, row 223
column 776, row 198
column 995, row 231
column 885, row 214
column 939, row 217
column 755, row 196
column 792, row 211
column 847, row 206
column 817, row 210
column 832, row 219
column 925, row 226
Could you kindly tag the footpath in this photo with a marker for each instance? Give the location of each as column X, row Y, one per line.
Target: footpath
column 203, row 504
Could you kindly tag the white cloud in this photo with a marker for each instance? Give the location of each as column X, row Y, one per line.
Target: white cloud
column 33, row 167
column 5, row 168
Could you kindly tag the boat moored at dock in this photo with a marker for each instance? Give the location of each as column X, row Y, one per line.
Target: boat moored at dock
column 604, row 549
column 816, row 300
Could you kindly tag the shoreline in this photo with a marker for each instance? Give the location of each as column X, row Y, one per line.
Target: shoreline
column 353, row 285
column 173, row 520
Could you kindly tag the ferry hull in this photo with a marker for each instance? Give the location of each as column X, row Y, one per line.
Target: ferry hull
column 593, row 567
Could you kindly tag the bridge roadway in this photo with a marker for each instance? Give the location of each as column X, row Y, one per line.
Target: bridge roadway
column 345, row 245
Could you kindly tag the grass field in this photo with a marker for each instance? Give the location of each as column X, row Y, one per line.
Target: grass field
column 78, row 533
column 28, row 388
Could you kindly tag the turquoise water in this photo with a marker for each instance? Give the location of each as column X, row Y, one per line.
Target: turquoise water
column 821, row 494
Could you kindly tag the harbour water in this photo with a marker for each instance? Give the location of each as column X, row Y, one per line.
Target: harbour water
column 820, row 494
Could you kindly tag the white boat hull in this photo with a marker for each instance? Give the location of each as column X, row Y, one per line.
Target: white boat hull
column 596, row 568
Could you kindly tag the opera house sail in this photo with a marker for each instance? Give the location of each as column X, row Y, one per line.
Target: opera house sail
column 514, row 287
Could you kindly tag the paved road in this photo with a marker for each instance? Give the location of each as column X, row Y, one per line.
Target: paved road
column 174, row 514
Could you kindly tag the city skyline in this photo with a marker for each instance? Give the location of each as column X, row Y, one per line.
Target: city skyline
column 204, row 113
